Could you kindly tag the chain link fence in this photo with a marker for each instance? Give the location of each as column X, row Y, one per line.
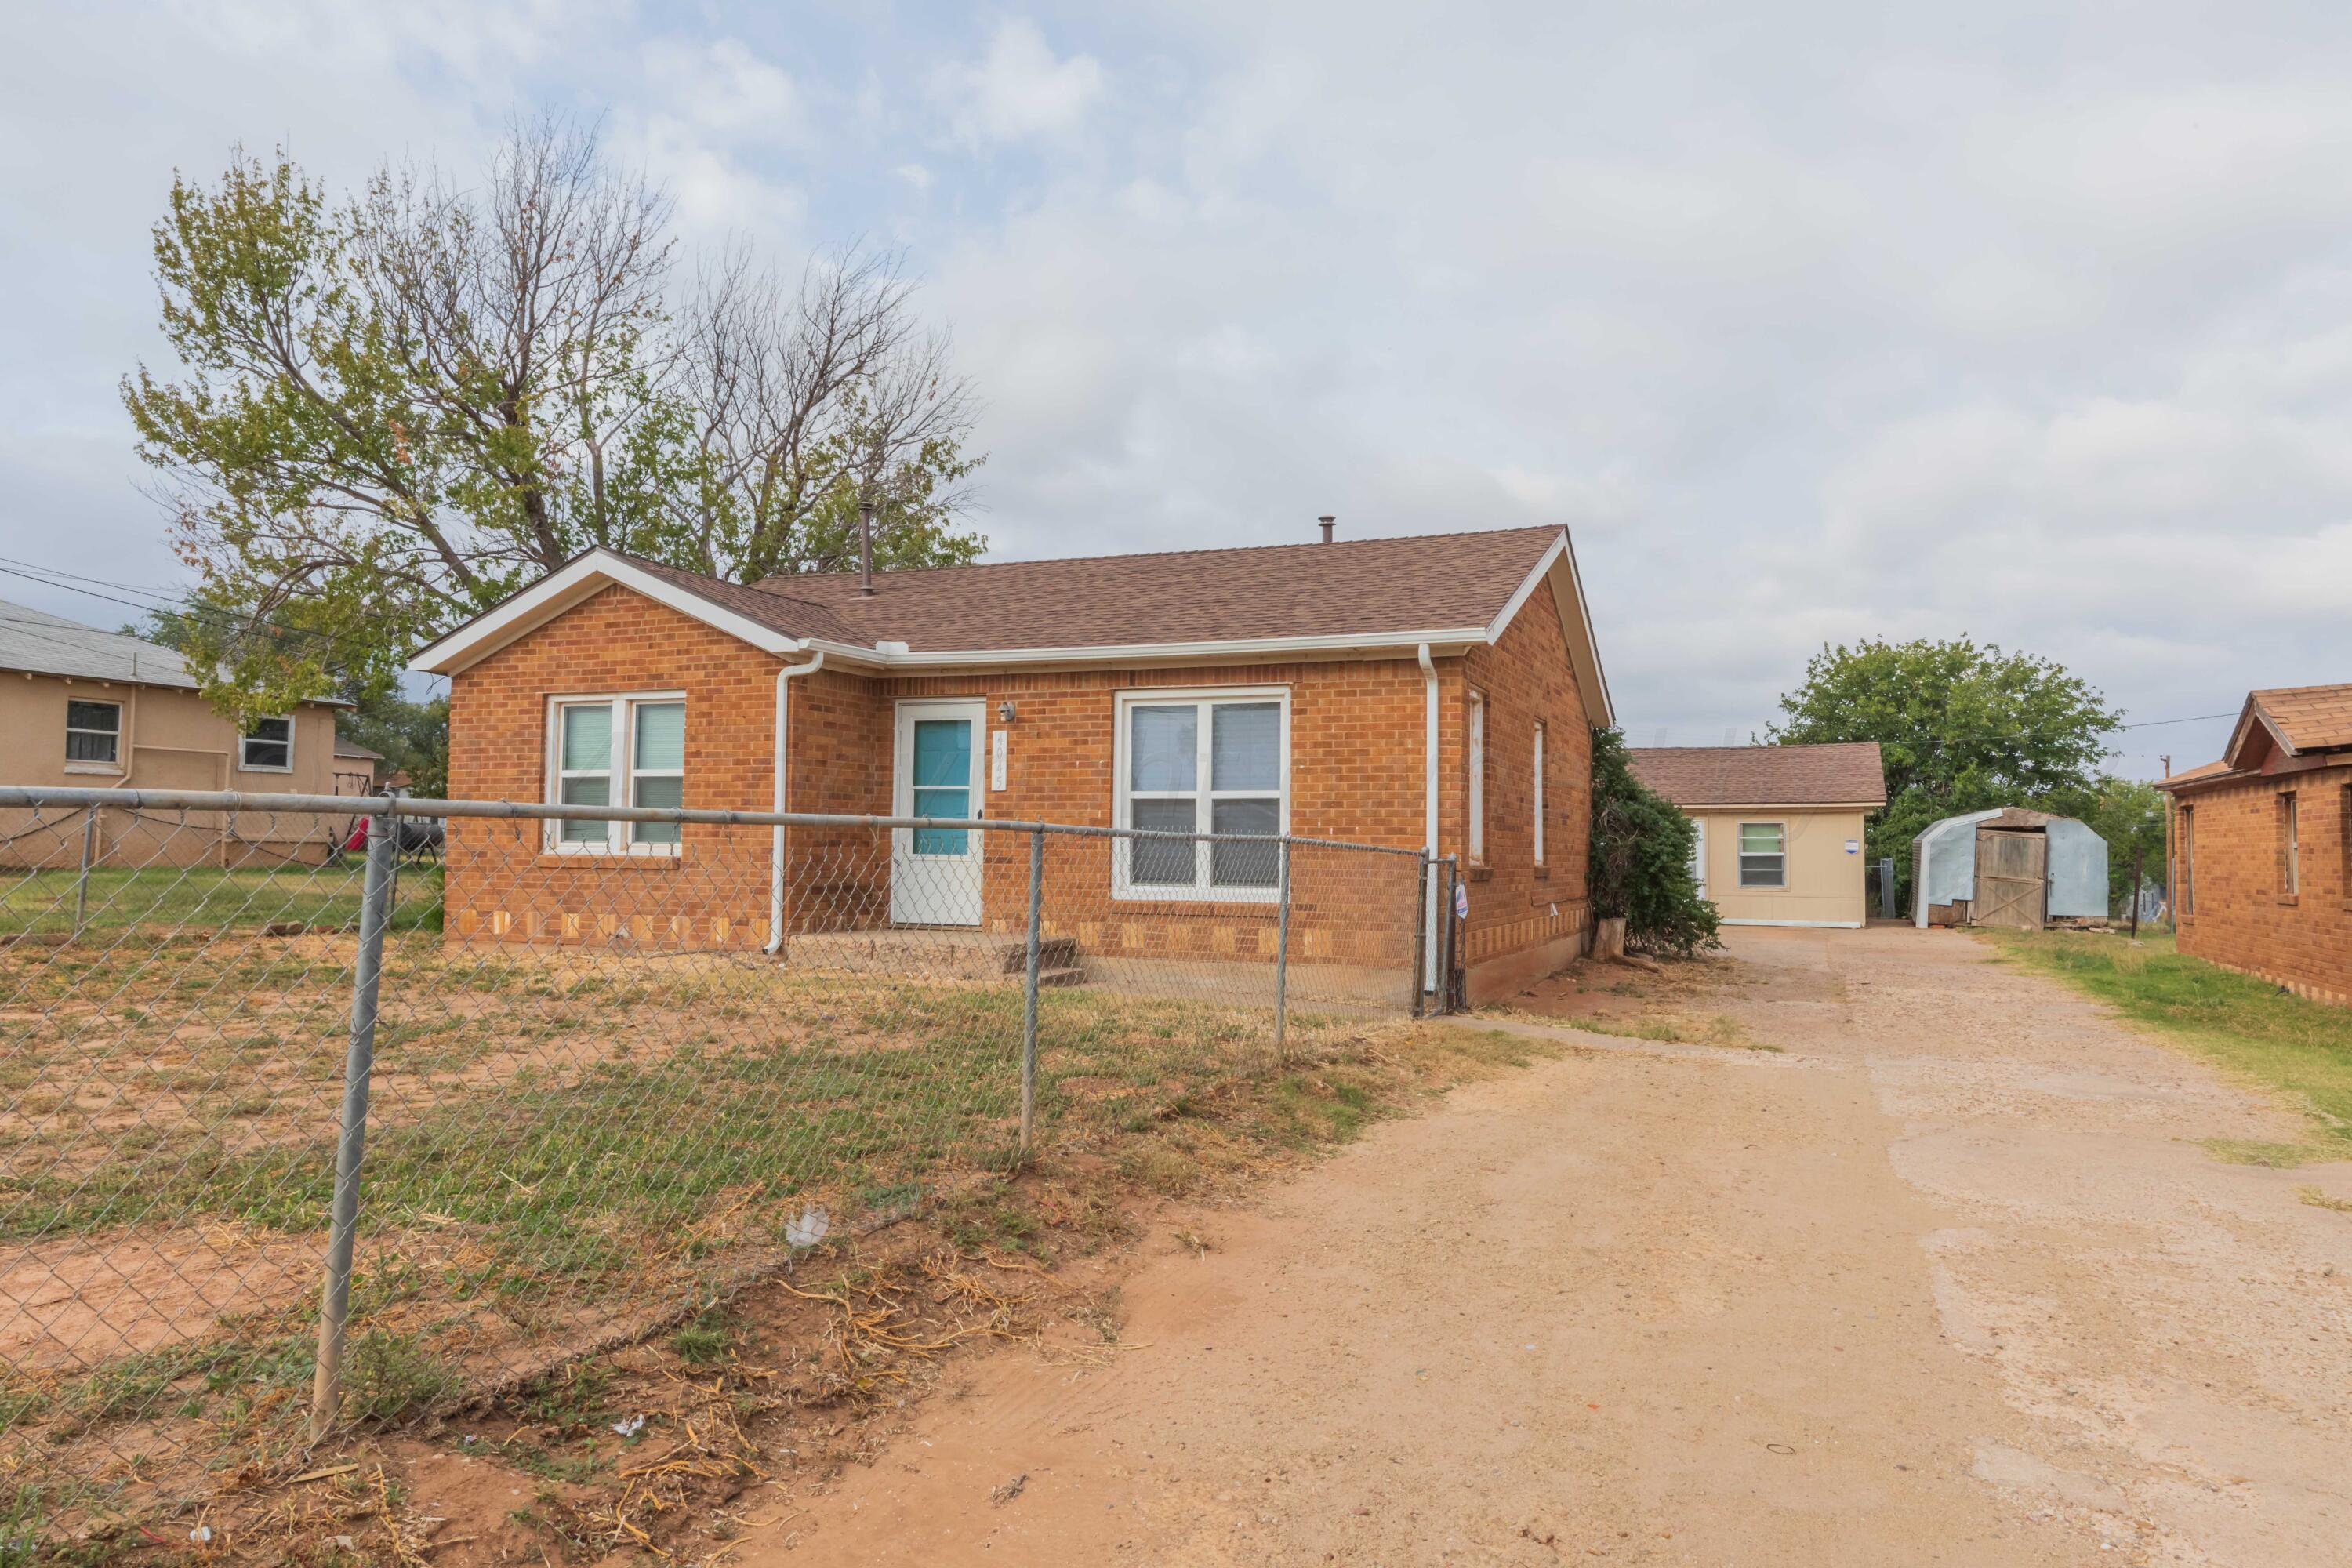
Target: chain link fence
column 311, row 1119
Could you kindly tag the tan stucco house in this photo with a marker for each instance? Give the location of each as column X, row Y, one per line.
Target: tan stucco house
column 1780, row 827
column 84, row 708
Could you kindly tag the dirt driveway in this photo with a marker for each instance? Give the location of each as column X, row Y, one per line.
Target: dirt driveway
column 1945, row 1277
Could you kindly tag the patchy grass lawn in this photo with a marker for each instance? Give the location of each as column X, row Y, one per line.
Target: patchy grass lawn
column 229, row 1404
column 568, row 1148
column 2271, row 1036
column 207, row 898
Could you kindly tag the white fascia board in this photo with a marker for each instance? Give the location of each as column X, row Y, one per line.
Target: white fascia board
column 1783, row 806
column 1124, row 653
column 1511, row 607
column 1561, row 551
column 561, row 589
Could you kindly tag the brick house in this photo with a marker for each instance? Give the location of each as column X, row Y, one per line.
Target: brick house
column 1435, row 690
column 2261, row 844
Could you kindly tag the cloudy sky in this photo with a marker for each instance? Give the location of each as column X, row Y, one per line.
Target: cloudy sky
column 2027, row 321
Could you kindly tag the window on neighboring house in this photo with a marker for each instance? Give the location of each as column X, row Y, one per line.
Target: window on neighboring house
column 94, row 733
column 268, row 747
column 2185, row 904
column 1763, row 855
column 1477, row 777
column 1201, row 763
column 1539, row 794
column 1698, row 855
column 618, row 751
column 2289, row 847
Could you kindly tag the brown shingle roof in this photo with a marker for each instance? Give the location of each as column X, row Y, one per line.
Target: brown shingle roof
column 1424, row 583
column 2312, row 717
column 1847, row 773
column 2197, row 774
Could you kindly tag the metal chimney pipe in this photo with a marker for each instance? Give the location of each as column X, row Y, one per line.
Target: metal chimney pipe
column 865, row 549
column 1327, row 522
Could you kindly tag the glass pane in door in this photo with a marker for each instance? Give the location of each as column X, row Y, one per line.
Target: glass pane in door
column 943, row 781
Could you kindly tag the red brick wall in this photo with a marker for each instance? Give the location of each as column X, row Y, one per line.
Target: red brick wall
column 1514, row 904
column 501, row 883
column 2241, row 917
column 1357, row 751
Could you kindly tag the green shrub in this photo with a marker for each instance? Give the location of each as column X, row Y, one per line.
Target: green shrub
column 1639, row 867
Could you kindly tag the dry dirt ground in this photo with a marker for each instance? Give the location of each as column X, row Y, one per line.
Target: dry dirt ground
column 1945, row 1277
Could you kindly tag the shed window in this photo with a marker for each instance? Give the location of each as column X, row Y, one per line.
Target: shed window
column 268, row 747
column 616, row 751
column 1763, row 855
column 1201, row 763
column 94, row 732
column 2289, row 847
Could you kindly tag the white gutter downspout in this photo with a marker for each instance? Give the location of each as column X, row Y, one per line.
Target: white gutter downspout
column 776, row 839
column 1429, row 793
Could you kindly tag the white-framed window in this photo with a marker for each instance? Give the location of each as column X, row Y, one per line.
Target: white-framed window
column 93, row 736
column 1763, row 855
column 1698, row 855
column 2290, row 847
column 268, row 747
column 616, row 749
column 1477, row 778
column 1210, row 761
column 1539, row 792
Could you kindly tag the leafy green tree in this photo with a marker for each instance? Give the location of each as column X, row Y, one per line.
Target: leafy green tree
column 412, row 736
column 1639, row 867
column 1960, row 726
column 394, row 409
column 2129, row 815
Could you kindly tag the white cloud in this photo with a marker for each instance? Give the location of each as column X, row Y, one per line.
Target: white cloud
column 2033, row 330
column 1019, row 90
column 727, row 89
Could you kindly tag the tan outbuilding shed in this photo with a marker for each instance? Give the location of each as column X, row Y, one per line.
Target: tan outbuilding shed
column 1780, row 827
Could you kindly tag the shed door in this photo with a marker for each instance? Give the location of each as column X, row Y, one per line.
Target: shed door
column 2012, row 878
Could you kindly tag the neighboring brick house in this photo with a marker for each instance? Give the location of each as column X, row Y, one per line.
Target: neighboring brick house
column 1286, row 688
column 2261, row 844
column 1780, row 828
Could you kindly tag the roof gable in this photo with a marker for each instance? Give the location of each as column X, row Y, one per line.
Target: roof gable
column 1268, row 600
column 2292, row 721
column 1840, row 773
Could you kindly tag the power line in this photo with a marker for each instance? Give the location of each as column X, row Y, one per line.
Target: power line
column 48, row 578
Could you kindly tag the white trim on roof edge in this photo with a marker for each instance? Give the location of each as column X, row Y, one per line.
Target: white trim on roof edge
column 568, row 585
column 599, row 568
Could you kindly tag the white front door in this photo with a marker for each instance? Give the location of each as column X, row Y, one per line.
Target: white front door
column 935, row 871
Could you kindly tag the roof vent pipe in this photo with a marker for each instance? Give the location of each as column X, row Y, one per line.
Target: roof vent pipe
column 866, row 550
column 1327, row 522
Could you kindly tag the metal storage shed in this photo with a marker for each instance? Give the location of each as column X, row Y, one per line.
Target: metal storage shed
column 2008, row 866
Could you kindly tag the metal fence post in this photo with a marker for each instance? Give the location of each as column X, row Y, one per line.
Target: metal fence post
column 1029, row 1001
column 1445, row 943
column 358, row 1062
column 1282, row 952
column 1421, row 935
column 82, row 882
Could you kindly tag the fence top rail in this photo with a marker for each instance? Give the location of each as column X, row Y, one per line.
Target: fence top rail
column 35, row 797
